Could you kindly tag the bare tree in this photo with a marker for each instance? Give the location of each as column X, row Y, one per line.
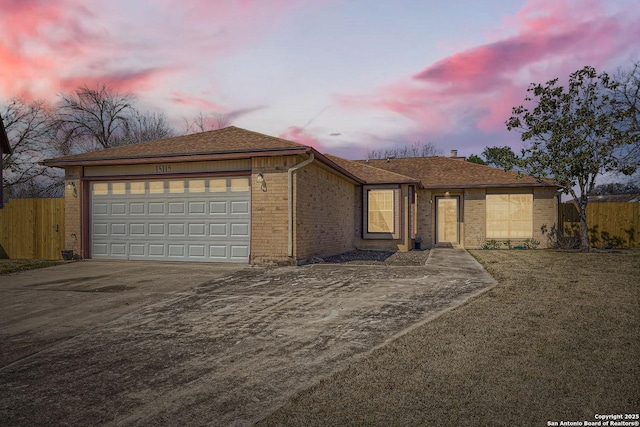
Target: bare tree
column 31, row 131
column 202, row 123
column 141, row 127
column 93, row 118
column 627, row 93
column 417, row 149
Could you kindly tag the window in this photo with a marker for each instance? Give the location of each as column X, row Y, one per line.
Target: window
column 239, row 184
column 156, row 187
column 380, row 218
column 218, row 185
column 509, row 216
column 119, row 188
column 136, row 187
column 100, row 189
column 196, row 186
column 176, row 186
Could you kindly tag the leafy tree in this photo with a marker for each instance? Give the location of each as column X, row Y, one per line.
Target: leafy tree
column 576, row 133
column 501, row 157
column 474, row 158
column 417, row 149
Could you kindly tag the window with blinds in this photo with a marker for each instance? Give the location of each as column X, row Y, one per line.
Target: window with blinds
column 509, row 216
column 381, row 213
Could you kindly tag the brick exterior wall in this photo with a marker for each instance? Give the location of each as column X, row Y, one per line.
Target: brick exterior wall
column 424, row 218
column 269, row 213
column 72, row 210
column 474, row 218
column 545, row 212
column 324, row 205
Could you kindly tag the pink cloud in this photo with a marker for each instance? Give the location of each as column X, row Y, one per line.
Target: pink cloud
column 299, row 135
column 481, row 84
column 196, row 102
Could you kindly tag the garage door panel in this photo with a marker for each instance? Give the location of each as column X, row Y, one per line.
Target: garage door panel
column 218, row 251
column 218, row 207
column 176, row 229
column 100, row 209
column 218, row 229
column 157, row 250
column 118, row 249
column 136, row 229
column 240, row 207
column 176, row 208
column 197, row 230
column 176, row 250
column 156, row 208
column 137, row 249
column 200, row 225
column 101, row 229
column 100, row 249
column 137, row 208
column 119, row 229
column 240, row 230
column 197, row 208
column 239, row 251
column 118, row 208
column 156, row 229
column 198, row 251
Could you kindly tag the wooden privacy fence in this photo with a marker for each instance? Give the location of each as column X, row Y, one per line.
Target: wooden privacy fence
column 32, row 229
column 610, row 224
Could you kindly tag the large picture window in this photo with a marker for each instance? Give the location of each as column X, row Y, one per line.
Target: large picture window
column 509, row 216
column 381, row 211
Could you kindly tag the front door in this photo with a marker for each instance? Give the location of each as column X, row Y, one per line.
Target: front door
column 447, row 223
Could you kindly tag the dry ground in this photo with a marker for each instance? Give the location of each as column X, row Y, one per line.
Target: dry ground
column 224, row 351
column 8, row 266
column 556, row 340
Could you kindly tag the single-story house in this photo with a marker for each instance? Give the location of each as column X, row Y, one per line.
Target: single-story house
column 233, row 195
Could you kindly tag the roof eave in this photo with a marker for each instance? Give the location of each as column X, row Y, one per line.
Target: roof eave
column 330, row 163
column 389, row 182
column 512, row 185
column 195, row 157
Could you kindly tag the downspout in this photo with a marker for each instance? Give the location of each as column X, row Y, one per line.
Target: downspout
column 290, row 200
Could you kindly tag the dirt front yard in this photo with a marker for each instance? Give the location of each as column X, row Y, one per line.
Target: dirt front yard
column 228, row 351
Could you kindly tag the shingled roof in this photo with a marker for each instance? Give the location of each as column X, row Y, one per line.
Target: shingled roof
column 229, row 142
column 371, row 175
column 234, row 143
column 447, row 172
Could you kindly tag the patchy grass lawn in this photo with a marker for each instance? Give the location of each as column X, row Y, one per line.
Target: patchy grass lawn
column 556, row 340
column 8, row 266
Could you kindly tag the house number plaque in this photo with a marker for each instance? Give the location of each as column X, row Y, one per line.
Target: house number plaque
column 163, row 168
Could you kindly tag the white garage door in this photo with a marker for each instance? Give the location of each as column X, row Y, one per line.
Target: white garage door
column 196, row 219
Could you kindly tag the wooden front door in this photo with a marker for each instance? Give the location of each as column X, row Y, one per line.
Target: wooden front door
column 447, row 220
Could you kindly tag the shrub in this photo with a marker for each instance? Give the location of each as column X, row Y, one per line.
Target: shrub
column 491, row 244
column 559, row 239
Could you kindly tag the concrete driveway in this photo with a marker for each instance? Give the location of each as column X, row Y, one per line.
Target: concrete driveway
column 128, row 343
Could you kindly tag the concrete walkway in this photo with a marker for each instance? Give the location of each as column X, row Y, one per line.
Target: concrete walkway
column 458, row 262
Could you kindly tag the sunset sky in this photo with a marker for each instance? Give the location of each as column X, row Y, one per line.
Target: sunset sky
column 341, row 75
